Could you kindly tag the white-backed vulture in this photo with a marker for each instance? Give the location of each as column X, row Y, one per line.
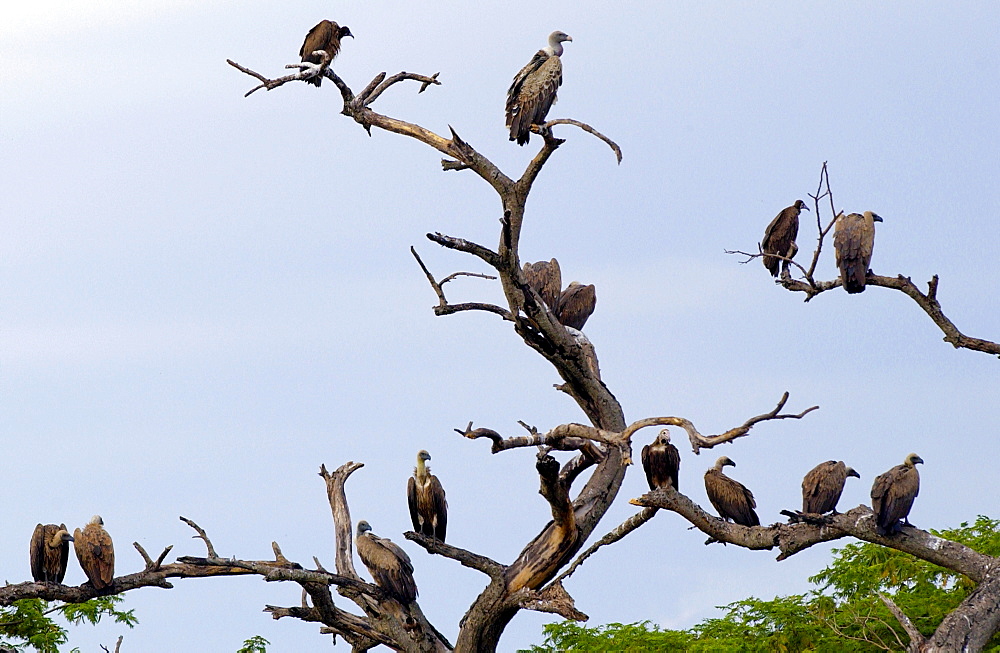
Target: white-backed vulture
column 576, row 305
column 545, row 278
column 661, row 462
column 823, row 485
column 326, row 37
column 49, row 552
column 428, row 506
column 95, row 552
column 533, row 91
column 388, row 564
column 893, row 493
column 779, row 237
column 853, row 240
column 733, row 501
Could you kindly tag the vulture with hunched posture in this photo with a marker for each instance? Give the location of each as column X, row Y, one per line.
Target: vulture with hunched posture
column 893, row 493
column 779, row 237
column 853, row 240
column 326, row 37
column 95, row 552
column 576, row 305
column 661, row 462
column 388, row 564
column 823, row 485
column 533, row 91
column 428, row 507
column 732, row 500
column 49, row 552
column 545, row 278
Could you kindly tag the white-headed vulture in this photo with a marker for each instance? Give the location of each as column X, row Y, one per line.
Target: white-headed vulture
column 95, row 552
column 661, row 462
column 533, row 91
column 428, row 506
column 388, row 564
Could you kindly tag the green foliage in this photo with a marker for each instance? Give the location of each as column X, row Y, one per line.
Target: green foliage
column 27, row 623
column 844, row 614
column 255, row 644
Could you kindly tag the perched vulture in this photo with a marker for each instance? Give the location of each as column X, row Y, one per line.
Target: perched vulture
column 428, row 507
column 823, row 485
column 853, row 240
column 661, row 462
column 545, row 278
column 779, row 237
column 95, row 552
column 325, row 36
column 388, row 564
column 893, row 493
column 533, row 91
column 731, row 499
column 576, row 305
column 49, row 552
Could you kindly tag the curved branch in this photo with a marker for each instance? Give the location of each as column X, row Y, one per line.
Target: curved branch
column 590, row 130
column 488, row 566
column 623, row 529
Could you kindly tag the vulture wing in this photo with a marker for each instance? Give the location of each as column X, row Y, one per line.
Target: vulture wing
column 411, row 500
column 37, row 552
column 853, row 240
column 439, row 509
column 545, row 278
column 576, row 305
column 779, row 237
column 532, row 94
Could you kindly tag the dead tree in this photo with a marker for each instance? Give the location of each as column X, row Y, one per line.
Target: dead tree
column 602, row 450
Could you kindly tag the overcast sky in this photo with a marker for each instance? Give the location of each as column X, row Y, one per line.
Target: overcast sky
column 206, row 296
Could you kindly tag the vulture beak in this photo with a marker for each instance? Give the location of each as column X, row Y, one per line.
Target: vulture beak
column 917, row 459
column 852, row 472
column 805, row 208
column 877, row 218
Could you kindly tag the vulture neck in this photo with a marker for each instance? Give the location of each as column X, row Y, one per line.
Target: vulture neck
column 56, row 540
column 553, row 49
column 422, row 471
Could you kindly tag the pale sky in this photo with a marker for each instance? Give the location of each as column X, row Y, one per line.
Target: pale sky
column 206, row 296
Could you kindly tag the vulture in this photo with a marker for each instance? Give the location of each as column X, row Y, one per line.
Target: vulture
column 661, row 462
column 893, row 493
column 325, row 36
column 823, row 485
column 779, row 237
column 576, row 305
column 545, row 278
column 49, row 552
column 388, row 564
column 732, row 500
column 95, row 552
column 428, row 506
column 853, row 240
column 533, row 91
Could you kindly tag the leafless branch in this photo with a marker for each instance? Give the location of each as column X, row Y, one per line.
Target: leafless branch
column 468, row 559
column 202, row 535
column 620, row 531
column 553, row 599
column 590, row 130
column 916, row 637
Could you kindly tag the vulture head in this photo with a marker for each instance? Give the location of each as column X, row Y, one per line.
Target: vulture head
column 363, row 527
column 876, row 218
column 723, row 461
column 800, row 205
column 423, row 455
column 59, row 537
column 851, row 472
column 556, row 39
column 663, row 437
column 96, row 519
column 345, row 31
column 912, row 459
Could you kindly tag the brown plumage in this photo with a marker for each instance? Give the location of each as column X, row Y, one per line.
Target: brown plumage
column 853, row 240
column 732, row 500
column 49, row 552
column 545, row 278
column 779, row 237
column 325, row 36
column 823, row 485
column 428, row 506
column 533, row 91
column 661, row 462
column 576, row 305
column 95, row 552
column 388, row 564
column 893, row 493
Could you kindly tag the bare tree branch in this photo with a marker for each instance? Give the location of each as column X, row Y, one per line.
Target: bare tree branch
column 916, row 637
column 620, row 531
column 468, row 559
column 590, row 130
